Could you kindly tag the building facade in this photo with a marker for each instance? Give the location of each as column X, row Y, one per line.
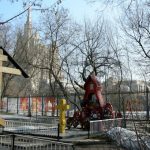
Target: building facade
column 40, row 61
column 126, row 94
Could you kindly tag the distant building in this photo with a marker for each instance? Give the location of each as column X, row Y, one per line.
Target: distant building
column 40, row 62
column 125, row 85
column 126, row 92
column 135, row 85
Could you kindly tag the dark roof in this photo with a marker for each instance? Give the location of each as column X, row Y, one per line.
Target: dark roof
column 14, row 63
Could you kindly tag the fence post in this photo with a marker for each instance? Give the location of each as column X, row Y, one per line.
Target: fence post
column 73, row 147
column 42, row 105
column 29, row 106
column 124, row 116
column 57, row 104
column 13, row 142
column 89, row 130
column 7, row 105
column 17, row 105
column 147, row 104
column 75, row 96
column 58, row 132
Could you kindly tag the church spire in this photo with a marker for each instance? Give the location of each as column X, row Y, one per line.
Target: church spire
column 29, row 20
column 28, row 25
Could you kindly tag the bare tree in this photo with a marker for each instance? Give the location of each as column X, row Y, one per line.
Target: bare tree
column 126, row 3
column 21, row 50
column 57, row 31
column 95, row 50
column 27, row 5
column 136, row 28
column 91, row 52
column 7, row 41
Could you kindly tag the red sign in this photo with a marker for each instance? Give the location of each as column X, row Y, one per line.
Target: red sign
column 36, row 104
column 50, row 104
column 24, row 103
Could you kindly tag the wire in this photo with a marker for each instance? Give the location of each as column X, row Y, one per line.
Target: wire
column 2, row 23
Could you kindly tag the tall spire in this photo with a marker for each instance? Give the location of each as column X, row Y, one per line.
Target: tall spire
column 28, row 25
column 29, row 20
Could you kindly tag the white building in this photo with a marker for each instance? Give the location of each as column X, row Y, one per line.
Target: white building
column 41, row 62
column 125, row 85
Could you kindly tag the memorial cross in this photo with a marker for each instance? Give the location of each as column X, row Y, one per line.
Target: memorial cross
column 62, row 107
column 3, row 69
column 6, row 69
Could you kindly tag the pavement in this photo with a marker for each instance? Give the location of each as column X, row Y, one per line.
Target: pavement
column 74, row 133
column 82, row 141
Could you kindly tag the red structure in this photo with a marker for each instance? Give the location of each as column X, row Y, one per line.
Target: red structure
column 93, row 90
column 93, row 105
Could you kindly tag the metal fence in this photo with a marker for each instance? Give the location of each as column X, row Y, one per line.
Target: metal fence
column 34, row 106
column 31, row 128
column 45, row 106
column 129, row 100
column 21, row 142
column 101, row 126
column 136, row 115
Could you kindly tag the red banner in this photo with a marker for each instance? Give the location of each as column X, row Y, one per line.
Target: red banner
column 36, row 104
column 24, row 103
column 50, row 104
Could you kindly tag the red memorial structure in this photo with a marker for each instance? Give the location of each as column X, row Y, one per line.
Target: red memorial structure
column 93, row 106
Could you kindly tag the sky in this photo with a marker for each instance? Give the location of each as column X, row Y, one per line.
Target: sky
column 79, row 10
